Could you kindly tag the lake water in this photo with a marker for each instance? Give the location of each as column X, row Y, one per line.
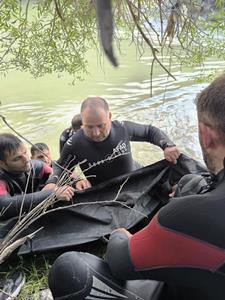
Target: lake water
column 41, row 108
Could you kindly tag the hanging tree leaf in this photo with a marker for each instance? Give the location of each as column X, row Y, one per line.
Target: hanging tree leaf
column 53, row 36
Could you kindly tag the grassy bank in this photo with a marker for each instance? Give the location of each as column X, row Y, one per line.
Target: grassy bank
column 36, row 268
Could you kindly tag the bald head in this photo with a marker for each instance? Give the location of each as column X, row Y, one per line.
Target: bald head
column 94, row 104
column 96, row 118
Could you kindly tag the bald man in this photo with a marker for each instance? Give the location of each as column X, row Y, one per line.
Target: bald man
column 105, row 145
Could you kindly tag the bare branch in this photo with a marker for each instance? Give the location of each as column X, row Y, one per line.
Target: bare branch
column 153, row 49
column 58, row 10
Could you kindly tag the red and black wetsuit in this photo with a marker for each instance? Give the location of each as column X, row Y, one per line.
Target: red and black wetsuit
column 111, row 157
column 14, row 186
column 184, row 245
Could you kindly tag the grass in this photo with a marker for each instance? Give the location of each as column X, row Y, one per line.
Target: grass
column 36, row 268
column 36, row 273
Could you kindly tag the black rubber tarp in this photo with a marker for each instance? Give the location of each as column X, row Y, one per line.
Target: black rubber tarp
column 144, row 193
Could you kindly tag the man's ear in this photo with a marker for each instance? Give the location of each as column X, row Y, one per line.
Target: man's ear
column 208, row 136
column 110, row 115
column 2, row 164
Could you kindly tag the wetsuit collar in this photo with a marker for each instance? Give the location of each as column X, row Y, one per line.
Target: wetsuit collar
column 218, row 178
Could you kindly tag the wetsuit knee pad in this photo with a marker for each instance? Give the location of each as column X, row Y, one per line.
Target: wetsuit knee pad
column 69, row 277
column 80, row 276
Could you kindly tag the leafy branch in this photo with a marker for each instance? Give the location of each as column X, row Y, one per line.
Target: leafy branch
column 54, row 36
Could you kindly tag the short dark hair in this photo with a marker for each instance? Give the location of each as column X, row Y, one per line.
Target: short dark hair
column 38, row 147
column 76, row 122
column 211, row 106
column 8, row 143
column 94, row 102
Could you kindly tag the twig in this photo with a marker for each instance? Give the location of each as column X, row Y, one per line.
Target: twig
column 57, row 7
column 151, row 75
column 93, row 203
column 153, row 49
column 120, row 189
column 7, row 294
column 10, row 243
column 26, row 187
column 8, row 249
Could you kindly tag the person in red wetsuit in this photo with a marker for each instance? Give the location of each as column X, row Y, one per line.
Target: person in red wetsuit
column 183, row 245
column 19, row 175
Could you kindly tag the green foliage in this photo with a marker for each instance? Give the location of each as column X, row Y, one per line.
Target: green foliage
column 46, row 36
column 40, row 38
column 36, row 273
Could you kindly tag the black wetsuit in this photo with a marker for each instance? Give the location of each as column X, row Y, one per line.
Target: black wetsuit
column 13, row 186
column 184, row 246
column 111, row 157
column 65, row 135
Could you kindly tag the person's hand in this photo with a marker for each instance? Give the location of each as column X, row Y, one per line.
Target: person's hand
column 174, row 188
column 171, row 154
column 49, row 186
column 64, row 193
column 83, row 184
column 123, row 230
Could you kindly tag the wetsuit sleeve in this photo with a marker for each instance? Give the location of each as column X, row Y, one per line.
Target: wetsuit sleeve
column 10, row 206
column 67, row 160
column 157, row 251
column 63, row 138
column 118, row 256
column 147, row 133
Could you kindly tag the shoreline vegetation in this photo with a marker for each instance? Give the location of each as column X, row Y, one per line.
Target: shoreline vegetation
column 35, row 33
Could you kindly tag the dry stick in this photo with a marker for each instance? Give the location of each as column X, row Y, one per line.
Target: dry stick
column 26, row 187
column 22, row 225
column 40, row 209
column 7, row 124
column 6, row 251
column 11, row 245
column 35, row 211
column 154, row 50
column 120, row 189
column 58, row 10
column 4, row 209
column 7, row 294
column 41, row 206
column 151, row 76
column 16, row 230
column 27, row 220
column 161, row 18
column 92, row 203
column 34, row 214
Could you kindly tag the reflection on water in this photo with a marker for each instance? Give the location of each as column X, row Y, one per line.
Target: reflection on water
column 40, row 109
